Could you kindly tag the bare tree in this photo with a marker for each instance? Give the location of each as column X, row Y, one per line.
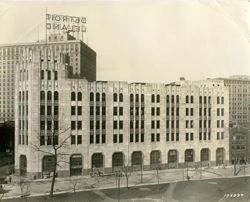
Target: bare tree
column 74, row 182
column 54, row 150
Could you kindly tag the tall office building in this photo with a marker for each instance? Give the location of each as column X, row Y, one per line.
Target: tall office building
column 239, row 98
column 80, row 57
column 107, row 125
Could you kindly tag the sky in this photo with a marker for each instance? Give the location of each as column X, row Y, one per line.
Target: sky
column 146, row 40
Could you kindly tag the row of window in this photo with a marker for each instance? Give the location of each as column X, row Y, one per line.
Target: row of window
column 49, row 75
column 49, row 96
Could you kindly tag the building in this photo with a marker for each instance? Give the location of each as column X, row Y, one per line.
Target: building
column 239, row 144
column 108, row 125
column 81, row 59
column 239, row 99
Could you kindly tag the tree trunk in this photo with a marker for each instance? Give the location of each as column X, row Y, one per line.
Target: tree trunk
column 54, row 176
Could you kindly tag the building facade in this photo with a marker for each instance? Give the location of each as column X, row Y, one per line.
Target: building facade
column 239, row 99
column 103, row 126
column 81, row 60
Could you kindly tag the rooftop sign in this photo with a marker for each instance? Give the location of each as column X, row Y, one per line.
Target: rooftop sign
column 64, row 23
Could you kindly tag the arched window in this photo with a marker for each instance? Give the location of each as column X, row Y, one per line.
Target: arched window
column 115, row 97
column 155, row 158
column 158, row 98
column 56, row 96
column 73, row 96
column 97, row 160
column 91, row 97
column 131, row 98
column 97, row 97
column 121, row 97
column 137, row 158
column 172, row 156
column 189, row 155
column 49, row 95
column 117, row 159
column 75, row 164
column 142, row 97
column 205, row 154
column 136, row 98
column 79, row 96
column 103, row 97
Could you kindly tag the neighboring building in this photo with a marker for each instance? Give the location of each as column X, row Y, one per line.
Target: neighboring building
column 239, row 99
column 7, row 136
column 81, row 59
column 112, row 124
column 239, row 144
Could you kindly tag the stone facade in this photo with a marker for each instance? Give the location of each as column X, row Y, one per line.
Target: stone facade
column 113, row 125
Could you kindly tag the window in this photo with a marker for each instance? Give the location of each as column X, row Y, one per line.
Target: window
column 103, row 97
column 121, row 97
column 55, row 75
column 73, row 96
column 187, row 123
column 42, row 110
column 200, row 99
column 79, row 96
column 191, row 136
column 42, row 74
column 218, row 111
column 142, row 137
column 103, row 124
column 200, row 136
column 152, row 111
column 153, row 98
column 187, row 99
column 192, row 99
column 91, row 97
column 222, row 100
column 218, row 124
column 222, row 123
column 114, row 138
column 158, row 98
column 115, row 124
column 131, row 138
column 142, row 97
column 56, row 96
column 205, row 100
column 172, row 98
column 222, row 112
column 115, row 97
column 152, row 137
column 172, row 136
column 120, row 138
column 152, row 124
column 187, row 111
column 73, row 110
column 73, row 139
column 97, row 97
column 49, row 75
column 167, row 99
column 158, row 111
column 136, row 98
column 158, row 124
column 49, row 112
column 158, row 137
column 115, row 111
column 131, row 98
column 187, row 136
column 120, row 125
column 192, row 111
column 177, row 99
column 49, row 95
column 73, row 125
column 79, row 110
column 218, row 100
column 79, row 125
column 218, row 135
column 167, row 137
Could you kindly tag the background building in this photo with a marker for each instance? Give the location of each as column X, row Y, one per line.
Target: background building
column 81, row 64
column 108, row 125
column 239, row 98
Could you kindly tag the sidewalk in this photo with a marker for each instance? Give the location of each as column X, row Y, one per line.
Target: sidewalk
column 62, row 185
